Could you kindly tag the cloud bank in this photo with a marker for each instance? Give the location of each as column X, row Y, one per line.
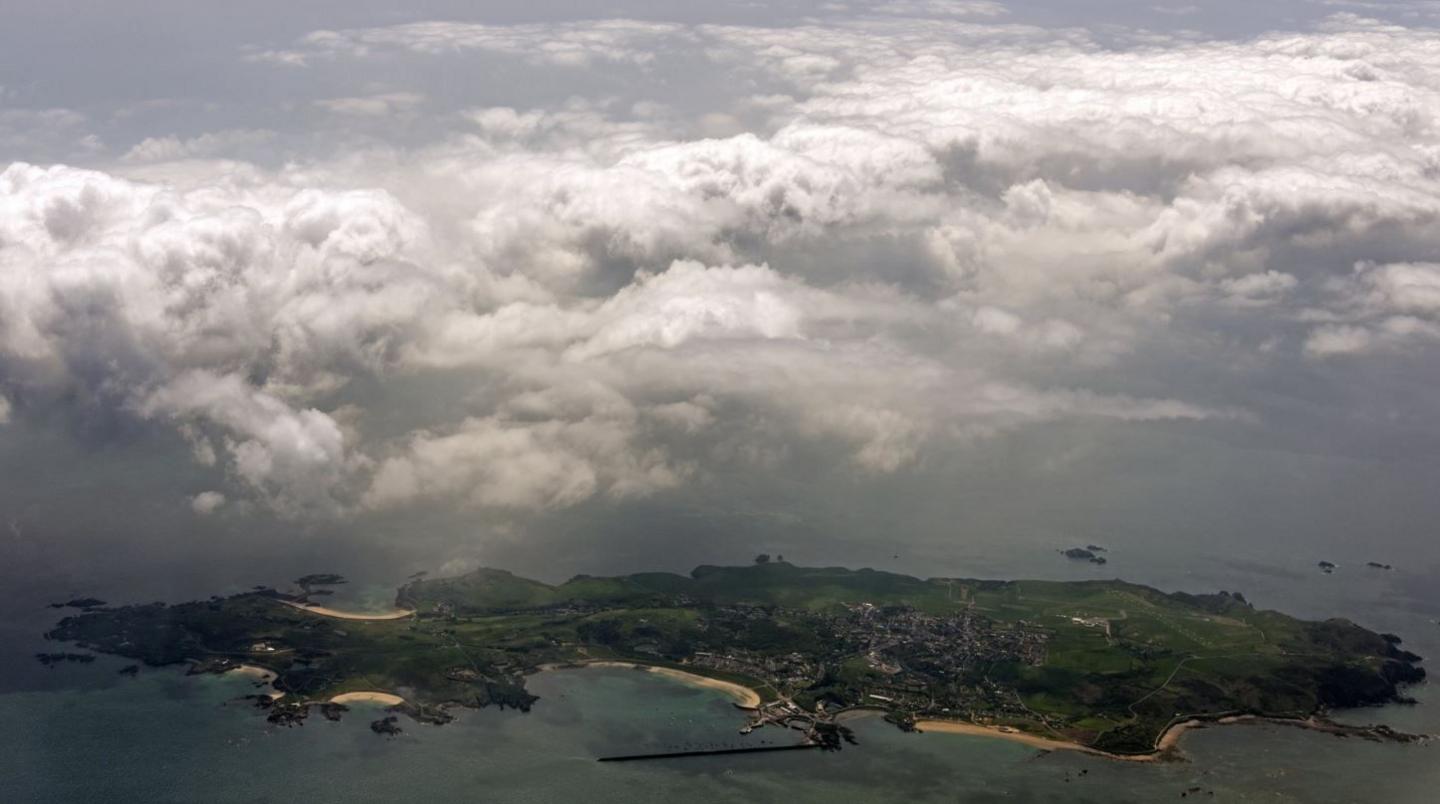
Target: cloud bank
column 882, row 238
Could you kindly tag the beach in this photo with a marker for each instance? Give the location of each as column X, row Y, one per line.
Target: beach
column 388, row 699
column 394, row 614
column 1163, row 748
column 1167, row 747
column 261, row 674
column 741, row 694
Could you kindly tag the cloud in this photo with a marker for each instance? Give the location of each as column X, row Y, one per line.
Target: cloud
column 168, row 304
column 691, row 301
column 940, row 8
column 207, row 502
column 1392, row 334
column 210, row 144
column 1415, row 9
column 1258, row 289
column 56, row 133
column 1379, row 308
column 494, row 462
column 1412, row 288
column 1338, row 340
column 566, row 45
column 559, row 218
column 295, row 459
column 385, row 104
column 879, row 238
column 1050, row 334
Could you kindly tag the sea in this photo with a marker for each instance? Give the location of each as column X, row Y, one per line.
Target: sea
column 83, row 733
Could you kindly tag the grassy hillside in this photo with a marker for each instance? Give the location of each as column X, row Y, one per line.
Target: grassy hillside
column 774, row 584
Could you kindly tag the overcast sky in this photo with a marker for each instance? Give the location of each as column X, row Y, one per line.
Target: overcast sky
column 635, row 283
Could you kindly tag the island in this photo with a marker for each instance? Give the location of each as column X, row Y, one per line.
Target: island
column 1085, row 554
column 1100, row 665
column 82, row 603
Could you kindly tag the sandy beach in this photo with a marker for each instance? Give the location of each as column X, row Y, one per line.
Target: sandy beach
column 743, row 695
column 1163, row 750
column 1171, row 738
column 955, row 727
column 260, row 674
column 394, row 614
column 385, row 698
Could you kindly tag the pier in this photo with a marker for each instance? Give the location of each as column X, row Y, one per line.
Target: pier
column 707, row 752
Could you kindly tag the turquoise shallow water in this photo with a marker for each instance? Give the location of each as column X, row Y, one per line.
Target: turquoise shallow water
column 169, row 738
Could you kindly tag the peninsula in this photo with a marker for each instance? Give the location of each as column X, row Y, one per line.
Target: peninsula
column 1105, row 666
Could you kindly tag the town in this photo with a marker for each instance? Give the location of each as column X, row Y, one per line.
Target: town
column 894, row 658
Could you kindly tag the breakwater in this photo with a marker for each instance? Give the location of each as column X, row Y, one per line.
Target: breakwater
column 707, row 752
